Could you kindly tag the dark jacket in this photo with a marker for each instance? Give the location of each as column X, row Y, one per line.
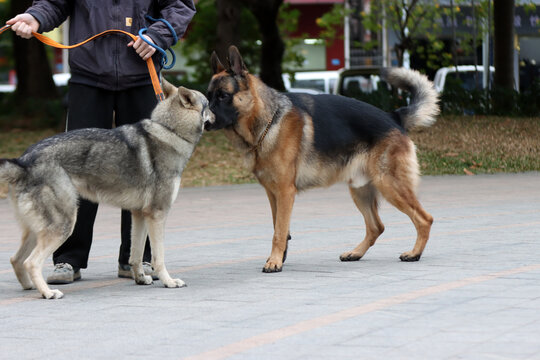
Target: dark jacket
column 107, row 62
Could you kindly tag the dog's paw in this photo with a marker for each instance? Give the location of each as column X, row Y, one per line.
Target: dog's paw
column 272, row 266
column 53, row 294
column 144, row 280
column 350, row 256
column 409, row 257
column 175, row 283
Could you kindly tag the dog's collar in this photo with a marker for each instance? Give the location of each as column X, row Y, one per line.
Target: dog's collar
column 256, row 147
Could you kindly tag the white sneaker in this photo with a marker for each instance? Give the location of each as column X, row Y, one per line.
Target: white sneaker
column 124, row 271
column 64, row 273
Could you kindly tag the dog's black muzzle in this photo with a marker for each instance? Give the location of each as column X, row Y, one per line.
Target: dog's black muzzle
column 209, row 126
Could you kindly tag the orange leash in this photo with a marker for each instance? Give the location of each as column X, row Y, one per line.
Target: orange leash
column 151, row 69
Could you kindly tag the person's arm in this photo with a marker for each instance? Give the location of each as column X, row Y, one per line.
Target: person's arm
column 44, row 15
column 178, row 13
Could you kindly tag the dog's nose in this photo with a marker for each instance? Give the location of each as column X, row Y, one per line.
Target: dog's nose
column 209, row 120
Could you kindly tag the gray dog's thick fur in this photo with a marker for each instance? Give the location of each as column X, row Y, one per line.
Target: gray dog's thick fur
column 136, row 167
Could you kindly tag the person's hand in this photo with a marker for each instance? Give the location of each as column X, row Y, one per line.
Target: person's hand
column 24, row 25
column 144, row 50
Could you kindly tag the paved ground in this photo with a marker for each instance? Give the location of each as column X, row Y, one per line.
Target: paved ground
column 475, row 294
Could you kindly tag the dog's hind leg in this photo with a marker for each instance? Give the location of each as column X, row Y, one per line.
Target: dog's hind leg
column 47, row 242
column 156, row 230
column 396, row 181
column 405, row 200
column 365, row 199
column 138, row 237
column 28, row 242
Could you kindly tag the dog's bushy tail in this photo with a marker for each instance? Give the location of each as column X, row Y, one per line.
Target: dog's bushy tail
column 423, row 108
column 10, row 171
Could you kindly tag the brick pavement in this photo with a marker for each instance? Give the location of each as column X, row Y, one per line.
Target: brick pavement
column 475, row 294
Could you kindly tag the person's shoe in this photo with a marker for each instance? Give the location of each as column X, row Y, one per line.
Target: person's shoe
column 124, row 271
column 64, row 273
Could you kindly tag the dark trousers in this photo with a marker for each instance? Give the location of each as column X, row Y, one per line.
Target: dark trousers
column 91, row 107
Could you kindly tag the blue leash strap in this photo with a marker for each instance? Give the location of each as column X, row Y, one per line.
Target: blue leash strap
column 164, row 59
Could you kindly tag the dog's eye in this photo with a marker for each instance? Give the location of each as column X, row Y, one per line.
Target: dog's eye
column 223, row 96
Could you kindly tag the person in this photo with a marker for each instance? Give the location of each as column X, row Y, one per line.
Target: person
column 109, row 83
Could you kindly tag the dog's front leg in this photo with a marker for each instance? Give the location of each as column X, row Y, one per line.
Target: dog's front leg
column 272, row 200
column 156, row 229
column 138, row 237
column 284, row 201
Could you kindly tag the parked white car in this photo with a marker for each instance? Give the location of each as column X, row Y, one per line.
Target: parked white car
column 351, row 82
column 466, row 75
column 316, row 81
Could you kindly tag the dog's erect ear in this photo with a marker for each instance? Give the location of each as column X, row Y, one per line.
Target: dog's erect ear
column 187, row 97
column 236, row 63
column 217, row 66
column 168, row 88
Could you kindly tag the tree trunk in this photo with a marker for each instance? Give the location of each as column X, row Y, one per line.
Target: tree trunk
column 273, row 48
column 503, row 16
column 399, row 55
column 227, row 27
column 34, row 76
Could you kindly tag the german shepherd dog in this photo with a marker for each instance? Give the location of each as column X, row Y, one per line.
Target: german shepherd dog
column 293, row 142
column 136, row 167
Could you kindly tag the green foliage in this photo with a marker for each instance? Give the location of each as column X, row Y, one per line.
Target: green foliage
column 288, row 24
column 528, row 5
column 465, row 40
column 409, row 21
column 498, row 101
column 529, row 100
column 433, row 52
column 331, row 22
column 199, row 44
column 202, row 38
column 457, row 100
column 418, row 22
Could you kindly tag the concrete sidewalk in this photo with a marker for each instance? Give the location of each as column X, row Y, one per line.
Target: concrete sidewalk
column 475, row 294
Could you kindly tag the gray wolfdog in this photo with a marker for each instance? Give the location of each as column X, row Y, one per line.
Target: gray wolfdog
column 293, row 142
column 136, row 167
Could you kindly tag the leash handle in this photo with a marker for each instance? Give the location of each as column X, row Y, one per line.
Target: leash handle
column 150, row 63
column 4, row 28
column 164, row 59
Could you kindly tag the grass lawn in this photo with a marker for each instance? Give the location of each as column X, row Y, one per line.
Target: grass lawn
column 479, row 145
column 463, row 145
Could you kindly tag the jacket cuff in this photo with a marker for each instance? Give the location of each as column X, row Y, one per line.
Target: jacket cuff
column 38, row 17
column 157, row 38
